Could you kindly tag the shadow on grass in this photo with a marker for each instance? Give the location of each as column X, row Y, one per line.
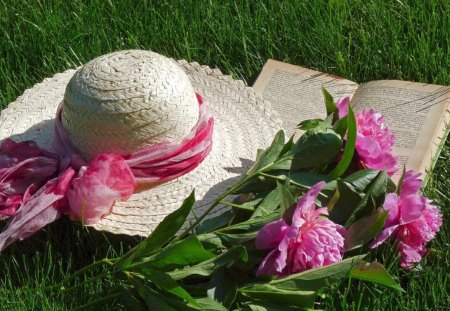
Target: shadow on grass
column 62, row 248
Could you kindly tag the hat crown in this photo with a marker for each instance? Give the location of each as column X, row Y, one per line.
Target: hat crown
column 127, row 100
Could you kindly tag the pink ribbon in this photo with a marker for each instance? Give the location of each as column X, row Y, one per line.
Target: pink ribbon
column 37, row 186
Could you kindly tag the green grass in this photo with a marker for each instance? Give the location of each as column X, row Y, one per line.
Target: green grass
column 360, row 40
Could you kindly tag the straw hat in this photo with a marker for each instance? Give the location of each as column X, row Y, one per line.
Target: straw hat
column 134, row 99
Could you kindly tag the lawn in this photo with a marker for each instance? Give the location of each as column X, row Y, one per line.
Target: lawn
column 359, row 40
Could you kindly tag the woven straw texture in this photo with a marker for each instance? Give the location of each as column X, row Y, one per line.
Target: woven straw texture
column 127, row 100
column 244, row 122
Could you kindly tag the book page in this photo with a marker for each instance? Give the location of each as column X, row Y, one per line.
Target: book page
column 296, row 92
column 417, row 113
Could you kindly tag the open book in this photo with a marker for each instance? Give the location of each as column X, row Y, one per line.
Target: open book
column 417, row 113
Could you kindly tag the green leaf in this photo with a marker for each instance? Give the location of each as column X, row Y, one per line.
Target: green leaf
column 165, row 282
column 316, row 125
column 236, row 238
column 329, row 102
column 352, row 204
column 153, row 299
column 211, row 241
column 130, row 302
column 374, row 272
column 207, row 267
column 118, row 293
column 361, row 179
column 269, row 203
column 215, row 222
column 324, row 125
column 300, row 289
column 280, row 296
column 209, row 304
column 287, row 149
column 256, row 185
column 373, row 198
column 398, row 189
column 259, row 153
column 277, row 197
column 349, row 149
column 391, row 186
column 309, row 124
column 186, row 252
column 378, row 187
column 162, row 234
column 315, row 279
column 327, row 193
column 333, row 200
column 301, row 179
column 364, row 230
column 315, row 149
column 249, row 201
column 222, row 288
column 287, row 199
column 347, row 202
column 288, row 146
column 340, row 127
column 270, row 154
column 270, row 307
column 253, row 224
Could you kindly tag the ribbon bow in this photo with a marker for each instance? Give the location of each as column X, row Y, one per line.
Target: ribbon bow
column 38, row 186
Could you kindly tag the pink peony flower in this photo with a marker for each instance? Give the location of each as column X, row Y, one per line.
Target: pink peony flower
column 412, row 220
column 106, row 179
column 374, row 139
column 310, row 241
column 342, row 105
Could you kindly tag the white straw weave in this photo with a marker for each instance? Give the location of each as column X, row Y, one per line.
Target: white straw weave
column 244, row 122
column 127, row 100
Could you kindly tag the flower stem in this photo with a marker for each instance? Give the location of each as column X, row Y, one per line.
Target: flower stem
column 65, row 290
column 79, row 272
column 236, row 205
column 96, row 302
column 214, row 204
column 283, row 179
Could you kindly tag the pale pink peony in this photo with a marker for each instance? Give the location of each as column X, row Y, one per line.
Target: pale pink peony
column 106, row 179
column 374, row 139
column 412, row 220
column 342, row 105
column 310, row 241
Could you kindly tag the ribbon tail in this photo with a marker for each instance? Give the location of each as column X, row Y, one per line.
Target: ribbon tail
column 38, row 211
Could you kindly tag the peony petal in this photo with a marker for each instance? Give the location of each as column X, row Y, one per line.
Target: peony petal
column 342, row 106
column 105, row 180
column 271, row 234
column 383, row 236
column 411, row 183
column 267, row 266
column 311, row 241
column 283, row 249
column 306, row 204
column 412, row 207
column 367, row 147
column 433, row 217
column 409, row 256
column 375, row 141
column 389, row 163
column 390, row 205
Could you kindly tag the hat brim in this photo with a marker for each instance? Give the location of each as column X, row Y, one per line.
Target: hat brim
column 244, row 122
